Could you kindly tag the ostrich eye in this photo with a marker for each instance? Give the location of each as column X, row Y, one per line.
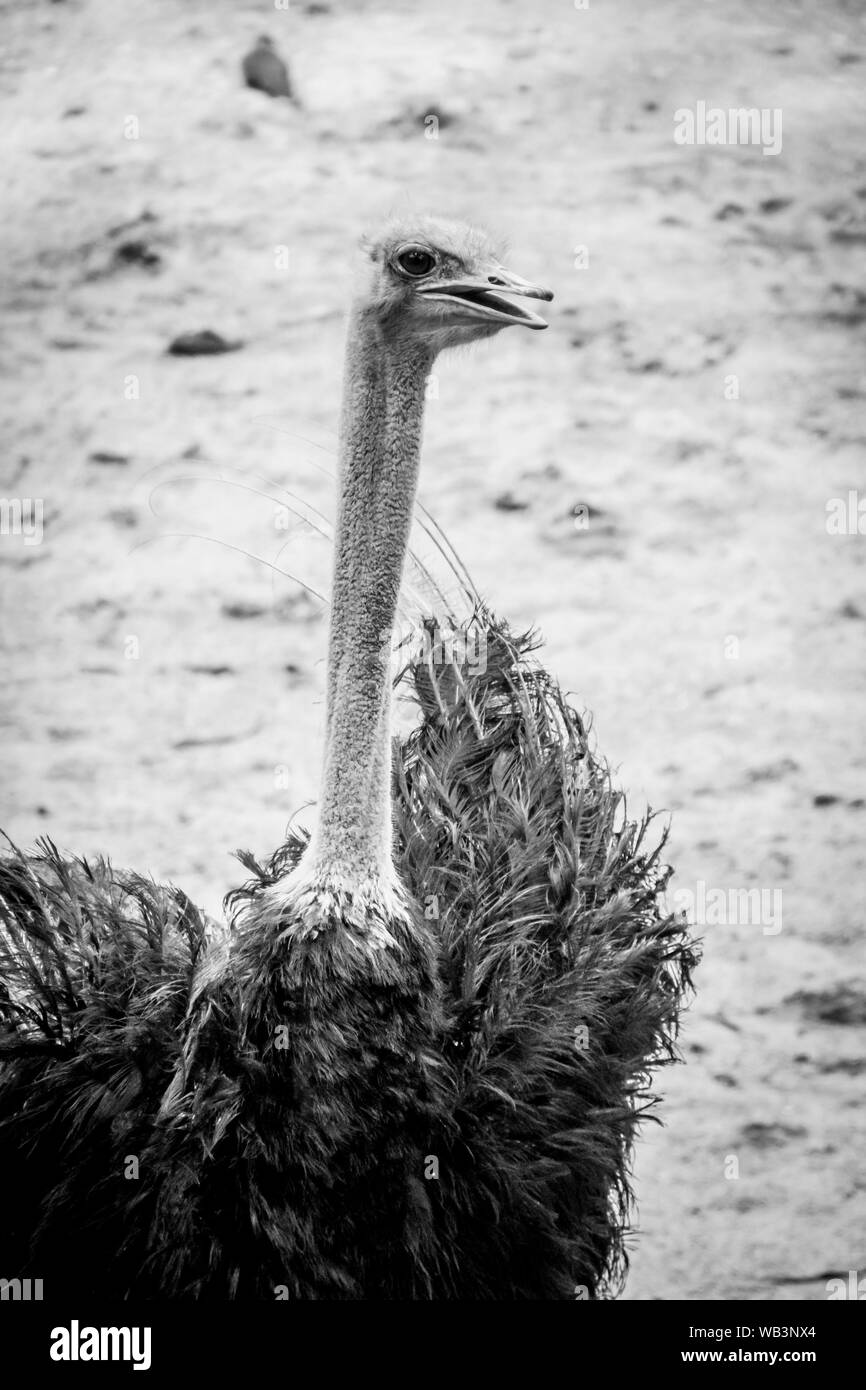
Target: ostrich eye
column 416, row 261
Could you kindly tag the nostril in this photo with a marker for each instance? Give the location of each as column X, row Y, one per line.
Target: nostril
column 494, row 280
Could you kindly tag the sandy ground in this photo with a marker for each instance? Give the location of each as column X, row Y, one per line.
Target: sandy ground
column 700, row 389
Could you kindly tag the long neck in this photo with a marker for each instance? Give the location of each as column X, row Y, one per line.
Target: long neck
column 383, row 404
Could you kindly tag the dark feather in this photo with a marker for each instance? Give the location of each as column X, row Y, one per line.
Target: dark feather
column 424, row 1121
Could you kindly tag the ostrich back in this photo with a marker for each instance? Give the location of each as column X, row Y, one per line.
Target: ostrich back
column 451, row 1117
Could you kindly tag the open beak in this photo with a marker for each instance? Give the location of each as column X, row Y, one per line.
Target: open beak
column 483, row 296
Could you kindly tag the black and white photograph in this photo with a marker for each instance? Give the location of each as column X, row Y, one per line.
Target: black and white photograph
column 433, row 651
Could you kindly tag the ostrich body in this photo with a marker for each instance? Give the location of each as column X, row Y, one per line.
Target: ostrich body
column 411, row 1066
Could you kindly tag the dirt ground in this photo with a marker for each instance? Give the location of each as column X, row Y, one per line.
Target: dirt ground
column 700, row 390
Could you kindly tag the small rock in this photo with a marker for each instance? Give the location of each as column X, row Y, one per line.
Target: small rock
column 843, row 1004
column 108, row 456
column 825, row 799
column 204, row 343
column 848, row 1066
column 729, row 210
column 507, row 502
column 137, row 252
column 444, row 118
column 853, row 234
column 771, row 205
column 240, row 609
column 430, row 117
column 585, row 512
column 771, row 1136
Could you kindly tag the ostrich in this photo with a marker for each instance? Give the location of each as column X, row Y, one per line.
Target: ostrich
column 412, row 1064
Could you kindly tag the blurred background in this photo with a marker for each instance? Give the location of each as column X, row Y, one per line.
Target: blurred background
column 668, row 484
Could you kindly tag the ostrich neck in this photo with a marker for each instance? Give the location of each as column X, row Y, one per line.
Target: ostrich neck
column 380, row 443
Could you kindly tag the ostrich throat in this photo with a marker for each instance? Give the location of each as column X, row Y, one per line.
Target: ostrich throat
column 380, row 445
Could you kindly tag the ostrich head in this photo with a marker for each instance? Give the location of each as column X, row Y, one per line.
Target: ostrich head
column 441, row 284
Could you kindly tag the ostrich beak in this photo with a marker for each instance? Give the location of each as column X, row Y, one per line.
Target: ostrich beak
column 483, row 294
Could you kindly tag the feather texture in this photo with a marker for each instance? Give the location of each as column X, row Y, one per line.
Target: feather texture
column 265, row 1111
